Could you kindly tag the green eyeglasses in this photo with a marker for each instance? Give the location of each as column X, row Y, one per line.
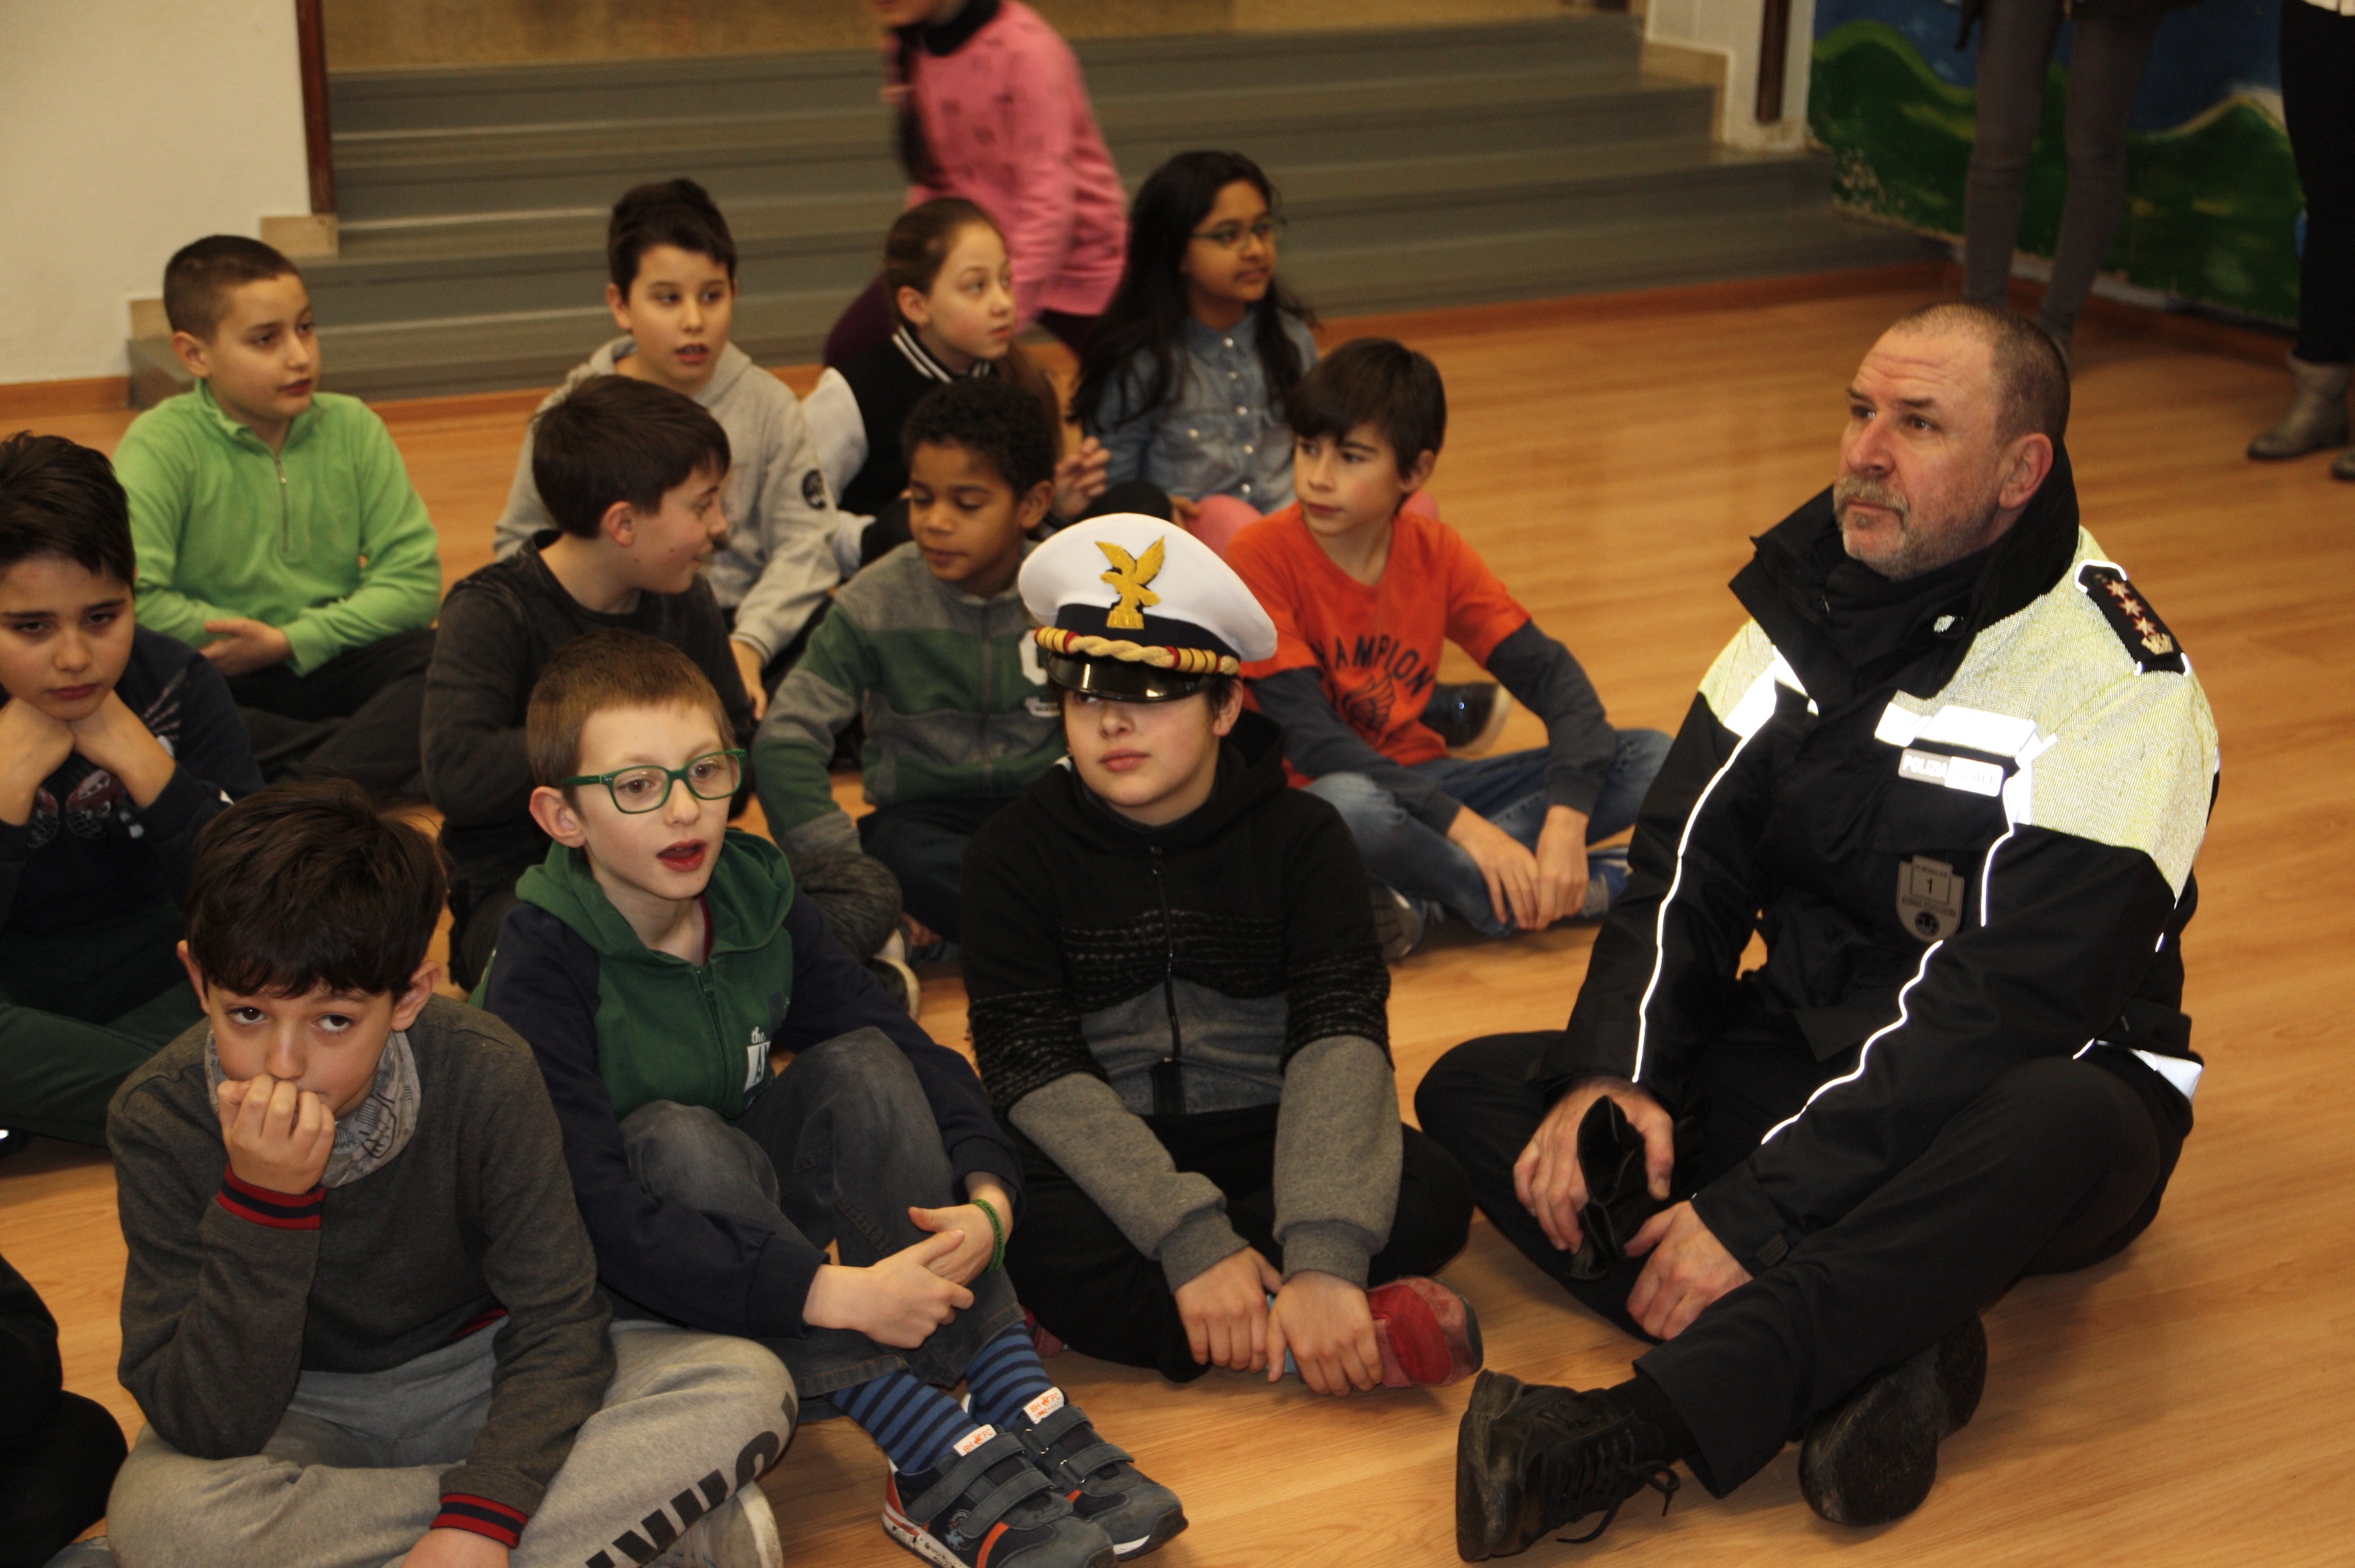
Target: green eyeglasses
column 714, row 776
column 1231, row 236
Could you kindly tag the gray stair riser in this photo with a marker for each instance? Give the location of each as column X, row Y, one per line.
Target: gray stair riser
column 351, row 295
column 638, row 90
column 751, row 171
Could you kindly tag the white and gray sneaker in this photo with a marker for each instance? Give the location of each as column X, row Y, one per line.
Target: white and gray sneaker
column 740, row 1533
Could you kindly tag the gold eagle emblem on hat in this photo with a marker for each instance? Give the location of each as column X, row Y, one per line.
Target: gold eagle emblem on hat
column 1127, row 578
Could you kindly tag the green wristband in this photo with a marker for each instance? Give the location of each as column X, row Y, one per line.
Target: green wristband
column 997, row 1230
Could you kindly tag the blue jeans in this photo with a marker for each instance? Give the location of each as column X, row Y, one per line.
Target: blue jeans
column 1509, row 791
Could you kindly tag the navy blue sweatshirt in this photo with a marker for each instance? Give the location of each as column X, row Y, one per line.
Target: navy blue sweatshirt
column 87, row 852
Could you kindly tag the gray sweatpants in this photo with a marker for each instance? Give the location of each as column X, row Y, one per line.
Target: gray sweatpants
column 352, row 1478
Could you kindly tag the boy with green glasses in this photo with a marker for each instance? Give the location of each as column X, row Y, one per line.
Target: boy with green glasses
column 653, row 963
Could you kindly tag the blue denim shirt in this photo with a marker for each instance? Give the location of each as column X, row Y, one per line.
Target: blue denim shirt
column 1224, row 434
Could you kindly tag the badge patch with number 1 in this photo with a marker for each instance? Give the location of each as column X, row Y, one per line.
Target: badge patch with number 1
column 1929, row 898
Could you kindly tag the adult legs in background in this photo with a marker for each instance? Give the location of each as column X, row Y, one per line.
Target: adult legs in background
column 2106, row 64
column 355, row 716
column 864, row 323
column 1100, row 1295
column 847, row 1127
column 924, row 843
column 54, row 1480
column 80, row 1009
column 2317, row 60
column 2057, row 1165
column 2015, row 45
column 352, row 1476
column 1510, row 789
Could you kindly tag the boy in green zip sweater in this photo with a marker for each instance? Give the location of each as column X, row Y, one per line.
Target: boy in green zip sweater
column 653, row 963
column 277, row 529
column 931, row 647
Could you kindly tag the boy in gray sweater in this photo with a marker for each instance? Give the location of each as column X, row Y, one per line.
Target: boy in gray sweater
column 361, row 1313
column 673, row 294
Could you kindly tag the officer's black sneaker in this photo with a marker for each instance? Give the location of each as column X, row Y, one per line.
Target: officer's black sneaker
column 1871, row 1460
column 991, row 1508
column 1469, row 717
column 1100, row 1479
column 1531, row 1459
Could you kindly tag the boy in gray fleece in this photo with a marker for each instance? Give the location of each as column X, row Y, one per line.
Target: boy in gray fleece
column 673, row 294
column 361, row 1313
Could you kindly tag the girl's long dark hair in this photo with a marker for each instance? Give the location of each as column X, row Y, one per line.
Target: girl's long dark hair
column 1146, row 318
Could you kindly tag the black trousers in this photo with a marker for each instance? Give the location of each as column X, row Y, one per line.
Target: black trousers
column 54, row 1480
column 924, row 843
column 2059, row 1164
column 355, row 716
column 2318, row 74
column 1099, row 1295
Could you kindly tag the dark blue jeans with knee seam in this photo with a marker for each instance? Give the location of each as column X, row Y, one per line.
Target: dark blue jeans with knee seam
column 834, row 1150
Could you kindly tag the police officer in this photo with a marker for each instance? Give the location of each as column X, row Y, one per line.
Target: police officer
column 1955, row 770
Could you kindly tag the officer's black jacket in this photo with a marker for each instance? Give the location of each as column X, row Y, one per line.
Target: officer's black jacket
column 1961, row 811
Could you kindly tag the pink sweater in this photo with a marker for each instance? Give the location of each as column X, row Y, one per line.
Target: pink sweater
column 1008, row 121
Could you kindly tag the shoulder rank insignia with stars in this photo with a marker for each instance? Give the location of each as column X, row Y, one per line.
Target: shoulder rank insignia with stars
column 1128, row 577
column 2147, row 641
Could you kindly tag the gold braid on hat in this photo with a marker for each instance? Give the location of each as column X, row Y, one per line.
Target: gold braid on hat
column 1183, row 661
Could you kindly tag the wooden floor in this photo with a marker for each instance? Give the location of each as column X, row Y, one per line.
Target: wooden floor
column 2189, row 1401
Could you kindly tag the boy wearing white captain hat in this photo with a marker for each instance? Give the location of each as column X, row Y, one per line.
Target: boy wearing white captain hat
column 1178, row 1006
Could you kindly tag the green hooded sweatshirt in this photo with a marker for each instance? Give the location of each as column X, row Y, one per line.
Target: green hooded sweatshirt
column 667, row 1029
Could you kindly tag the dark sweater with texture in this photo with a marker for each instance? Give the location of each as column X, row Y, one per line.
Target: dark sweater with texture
column 1222, row 962
column 232, row 1293
column 500, row 628
column 87, row 852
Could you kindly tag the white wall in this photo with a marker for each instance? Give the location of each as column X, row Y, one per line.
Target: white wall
column 127, row 129
column 1730, row 28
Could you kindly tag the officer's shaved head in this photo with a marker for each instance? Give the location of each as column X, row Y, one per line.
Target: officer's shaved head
column 2031, row 379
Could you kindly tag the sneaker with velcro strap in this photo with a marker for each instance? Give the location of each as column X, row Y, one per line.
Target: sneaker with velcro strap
column 1100, row 1479
column 991, row 1507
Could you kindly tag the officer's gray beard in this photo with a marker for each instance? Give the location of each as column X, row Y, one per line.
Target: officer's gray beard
column 1919, row 549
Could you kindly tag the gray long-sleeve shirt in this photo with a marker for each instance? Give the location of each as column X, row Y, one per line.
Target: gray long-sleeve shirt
column 232, row 1293
column 778, row 566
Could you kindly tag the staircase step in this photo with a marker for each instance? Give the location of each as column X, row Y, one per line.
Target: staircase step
column 608, row 91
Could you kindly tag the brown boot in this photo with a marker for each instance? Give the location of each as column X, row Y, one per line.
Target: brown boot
column 2316, row 417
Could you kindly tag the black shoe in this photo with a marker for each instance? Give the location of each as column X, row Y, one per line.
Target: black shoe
column 1100, row 1479
column 1531, row 1459
column 1872, row 1459
column 1399, row 925
column 1469, row 717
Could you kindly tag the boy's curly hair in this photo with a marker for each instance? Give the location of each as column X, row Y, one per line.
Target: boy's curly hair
column 998, row 422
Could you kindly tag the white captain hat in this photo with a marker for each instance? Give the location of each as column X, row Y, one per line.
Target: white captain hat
column 1134, row 609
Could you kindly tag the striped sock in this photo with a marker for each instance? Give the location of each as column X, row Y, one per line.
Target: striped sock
column 1005, row 1376
column 913, row 1423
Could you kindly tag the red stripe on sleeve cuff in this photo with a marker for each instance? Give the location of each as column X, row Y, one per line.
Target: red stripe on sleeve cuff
column 279, row 1210
column 483, row 1517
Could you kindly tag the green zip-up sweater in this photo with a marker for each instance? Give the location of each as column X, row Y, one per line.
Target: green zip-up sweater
column 955, row 700
column 326, row 539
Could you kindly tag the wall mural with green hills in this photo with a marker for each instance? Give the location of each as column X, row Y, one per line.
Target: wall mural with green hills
column 2213, row 197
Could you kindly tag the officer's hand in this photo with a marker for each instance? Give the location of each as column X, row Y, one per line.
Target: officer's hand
column 1689, row 1269
column 1546, row 1177
column 1510, row 869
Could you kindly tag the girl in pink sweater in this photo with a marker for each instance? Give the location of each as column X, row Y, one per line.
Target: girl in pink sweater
column 992, row 108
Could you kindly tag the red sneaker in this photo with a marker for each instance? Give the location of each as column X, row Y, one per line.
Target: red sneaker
column 1429, row 1335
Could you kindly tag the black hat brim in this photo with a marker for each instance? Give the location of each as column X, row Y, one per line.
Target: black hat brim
column 1121, row 680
